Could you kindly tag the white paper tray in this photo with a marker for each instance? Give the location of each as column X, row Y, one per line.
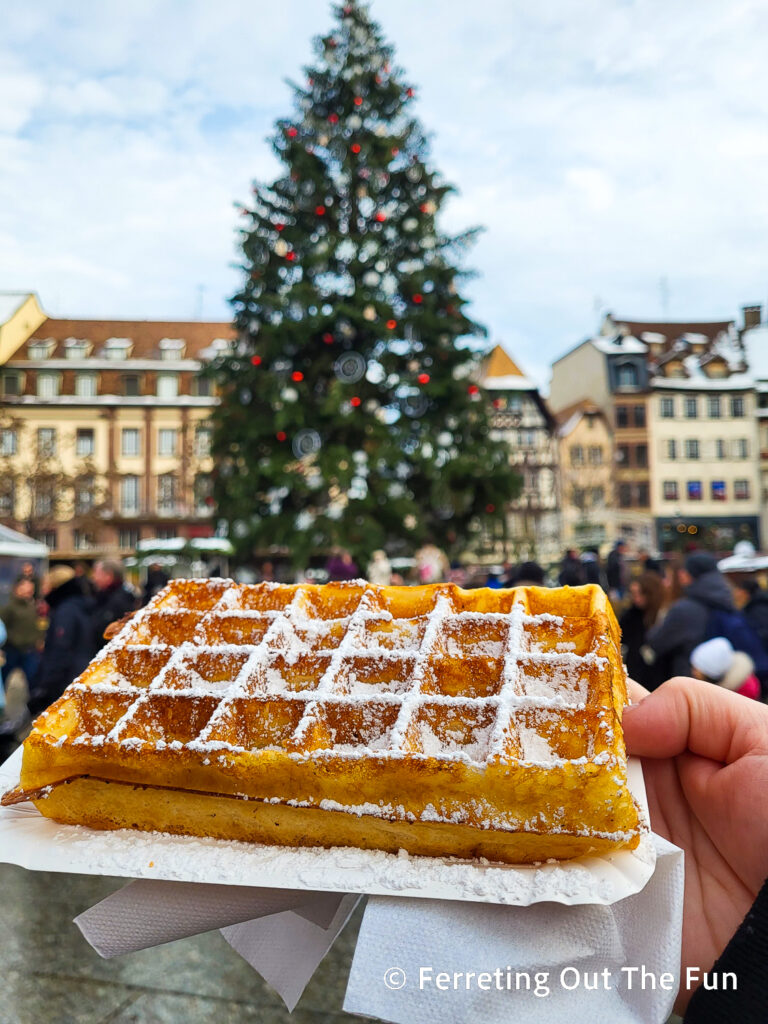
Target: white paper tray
column 39, row 844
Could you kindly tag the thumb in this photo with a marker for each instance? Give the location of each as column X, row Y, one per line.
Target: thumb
column 688, row 714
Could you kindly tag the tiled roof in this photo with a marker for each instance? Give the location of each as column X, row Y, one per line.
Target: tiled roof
column 145, row 335
column 672, row 330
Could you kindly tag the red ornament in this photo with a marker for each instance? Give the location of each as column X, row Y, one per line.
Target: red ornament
column 281, row 435
column 290, row 256
column 310, row 81
column 355, row 147
column 333, row 118
column 423, row 378
column 256, row 360
column 409, row 93
column 424, row 208
column 497, row 403
column 391, row 325
column 355, row 401
column 395, row 151
column 473, row 389
column 328, row 338
column 358, row 101
column 279, row 226
column 297, row 375
column 209, row 501
column 489, row 508
column 380, row 217
column 450, row 310
column 293, row 132
column 418, row 298
column 319, row 210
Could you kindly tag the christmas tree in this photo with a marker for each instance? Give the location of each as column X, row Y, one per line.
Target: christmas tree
column 348, row 414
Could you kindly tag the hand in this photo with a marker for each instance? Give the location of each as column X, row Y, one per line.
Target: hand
column 705, row 759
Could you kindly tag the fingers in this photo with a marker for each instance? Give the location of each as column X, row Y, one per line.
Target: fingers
column 688, row 714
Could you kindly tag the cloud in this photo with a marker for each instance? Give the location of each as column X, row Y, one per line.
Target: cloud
column 603, row 147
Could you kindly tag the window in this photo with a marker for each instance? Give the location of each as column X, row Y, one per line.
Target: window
column 625, row 495
column 46, row 442
column 40, row 349
column 167, row 441
column 595, row 456
column 84, row 442
column 694, row 490
column 202, row 387
column 622, row 416
column 167, row 385
column 737, row 406
column 643, row 495
column 166, row 494
column 622, row 455
column 117, row 348
column 720, row 449
column 670, row 490
column 166, row 532
column 129, row 496
column 713, row 407
column 627, row 376
column 131, row 385
column 48, row 385
column 83, row 540
column 691, row 408
column 597, row 497
column 130, row 442
column 203, row 493
column 11, row 385
column 203, row 437
column 47, row 537
column 43, row 498
column 718, row 490
column 641, row 455
column 741, row 448
column 579, row 496
column 128, row 539
column 667, row 408
column 692, row 448
column 75, row 348
column 7, row 441
column 86, row 385
column 577, row 455
column 639, row 415
column 84, row 495
column 671, row 448
column 171, row 348
column 7, row 498
column 741, row 490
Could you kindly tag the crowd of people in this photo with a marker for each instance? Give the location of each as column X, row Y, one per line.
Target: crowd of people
column 53, row 626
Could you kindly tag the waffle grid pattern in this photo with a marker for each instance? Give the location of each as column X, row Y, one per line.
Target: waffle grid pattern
column 352, row 671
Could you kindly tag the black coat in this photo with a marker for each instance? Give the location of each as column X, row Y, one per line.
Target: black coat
column 571, row 573
column 68, row 643
column 685, row 624
column 110, row 605
column 756, row 614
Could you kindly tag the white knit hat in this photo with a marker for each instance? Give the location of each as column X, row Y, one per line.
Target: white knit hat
column 713, row 658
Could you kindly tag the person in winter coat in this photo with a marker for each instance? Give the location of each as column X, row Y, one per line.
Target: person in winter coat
column 68, row 642
column 716, row 661
column 616, row 571
column 341, row 566
column 571, row 570
column 113, row 600
column 685, row 624
column 24, row 634
column 647, row 595
column 590, row 560
column 752, row 601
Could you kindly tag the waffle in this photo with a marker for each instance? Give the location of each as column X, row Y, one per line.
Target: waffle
column 481, row 723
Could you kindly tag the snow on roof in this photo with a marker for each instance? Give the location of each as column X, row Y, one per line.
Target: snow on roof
column 571, row 423
column 9, row 303
column 698, row 381
column 511, row 383
column 756, row 351
column 622, row 345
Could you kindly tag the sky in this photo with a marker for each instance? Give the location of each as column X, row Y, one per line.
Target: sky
column 616, row 152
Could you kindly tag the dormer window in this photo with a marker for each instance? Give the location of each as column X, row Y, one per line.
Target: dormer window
column 77, row 348
column 117, row 348
column 41, row 349
column 628, row 376
column 172, row 349
column 219, row 347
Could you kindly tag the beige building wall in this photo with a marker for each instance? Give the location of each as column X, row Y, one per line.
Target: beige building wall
column 586, row 487
column 578, row 375
column 728, row 451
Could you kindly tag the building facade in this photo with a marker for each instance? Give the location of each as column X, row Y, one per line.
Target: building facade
column 520, row 417
column 104, row 433
column 586, row 477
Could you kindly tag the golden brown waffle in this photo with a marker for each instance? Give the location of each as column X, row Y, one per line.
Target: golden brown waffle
column 483, row 723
